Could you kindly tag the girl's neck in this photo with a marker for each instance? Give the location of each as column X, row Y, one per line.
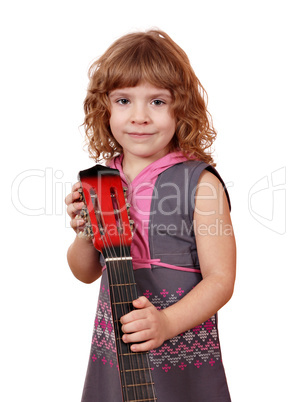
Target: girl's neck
column 133, row 166
column 131, row 169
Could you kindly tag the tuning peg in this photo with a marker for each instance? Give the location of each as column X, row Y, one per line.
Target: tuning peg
column 87, row 232
column 81, row 196
column 84, row 213
column 132, row 225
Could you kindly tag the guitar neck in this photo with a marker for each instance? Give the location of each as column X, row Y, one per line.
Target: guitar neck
column 135, row 371
column 109, row 227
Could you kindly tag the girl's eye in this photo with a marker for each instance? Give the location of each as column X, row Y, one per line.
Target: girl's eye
column 158, row 102
column 122, row 101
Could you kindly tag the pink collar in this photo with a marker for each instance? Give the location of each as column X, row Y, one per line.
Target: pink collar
column 150, row 172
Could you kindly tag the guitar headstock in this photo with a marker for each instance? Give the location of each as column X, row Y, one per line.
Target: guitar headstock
column 106, row 215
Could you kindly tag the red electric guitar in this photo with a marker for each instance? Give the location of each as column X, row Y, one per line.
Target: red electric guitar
column 107, row 223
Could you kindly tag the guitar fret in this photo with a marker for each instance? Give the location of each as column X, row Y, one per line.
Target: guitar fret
column 139, row 369
column 123, row 284
column 144, row 354
column 137, row 385
column 123, row 302
column 143, row 400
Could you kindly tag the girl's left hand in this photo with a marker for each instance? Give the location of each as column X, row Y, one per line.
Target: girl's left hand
column 146, row 324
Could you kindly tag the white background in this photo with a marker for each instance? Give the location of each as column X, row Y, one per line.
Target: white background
column 244, row 54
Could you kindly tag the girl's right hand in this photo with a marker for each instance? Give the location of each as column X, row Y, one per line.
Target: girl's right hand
column 74, row 206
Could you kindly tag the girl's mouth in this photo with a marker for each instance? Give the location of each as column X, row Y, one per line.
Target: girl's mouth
column 139, row 135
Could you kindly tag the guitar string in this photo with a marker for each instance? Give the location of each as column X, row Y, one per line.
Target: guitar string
column 123, row 307
column 116, row 324
column 127, row 276
column 143, row 356
column 124, row 291
column 116, row 270
column 111, row 253
column 129, row 297
column 140, row 356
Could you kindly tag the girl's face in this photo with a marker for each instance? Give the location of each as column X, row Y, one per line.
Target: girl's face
column 142, row 121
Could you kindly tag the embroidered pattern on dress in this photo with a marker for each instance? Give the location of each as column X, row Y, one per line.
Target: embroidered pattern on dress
column 198, row 346
column 103, row 342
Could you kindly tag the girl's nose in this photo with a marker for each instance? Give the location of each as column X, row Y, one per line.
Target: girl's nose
column 140, row 115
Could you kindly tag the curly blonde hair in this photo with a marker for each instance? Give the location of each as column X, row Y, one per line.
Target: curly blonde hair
column 155, row 58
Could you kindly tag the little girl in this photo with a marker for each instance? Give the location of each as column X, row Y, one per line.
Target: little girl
column 146, row 116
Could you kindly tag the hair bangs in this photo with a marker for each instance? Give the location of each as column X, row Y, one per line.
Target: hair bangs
column 143, row 61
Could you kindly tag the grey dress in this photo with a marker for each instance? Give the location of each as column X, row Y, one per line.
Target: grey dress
column 188, row 367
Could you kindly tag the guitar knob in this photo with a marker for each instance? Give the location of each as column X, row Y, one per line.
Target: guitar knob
column 132, row 225
column 87, row 232
column 80, row 191
column 84, row 213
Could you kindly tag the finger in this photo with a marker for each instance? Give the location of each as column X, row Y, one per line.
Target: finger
column 72, row 197
column 77, row 221
column 76, row 186
column 68, row 199
column 74, row 209
column 141, row 302
column 135, row 326
column 77, row 224
column 133, row 316
column 141, row 336
column 144, row 346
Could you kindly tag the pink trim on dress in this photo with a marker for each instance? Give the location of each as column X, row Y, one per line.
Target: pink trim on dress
column 138, row 264
column 146, row 264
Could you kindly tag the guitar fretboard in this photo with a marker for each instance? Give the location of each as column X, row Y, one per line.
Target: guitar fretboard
column 135, row 372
